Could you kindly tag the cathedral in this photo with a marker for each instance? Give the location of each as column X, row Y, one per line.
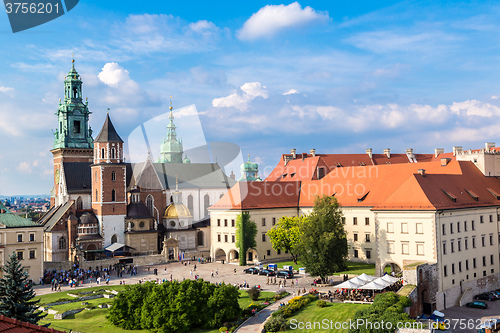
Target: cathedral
column 102, row 205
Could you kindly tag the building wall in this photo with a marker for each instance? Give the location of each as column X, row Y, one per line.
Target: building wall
column 143, row 242
column 112, row 225
column 10, row 243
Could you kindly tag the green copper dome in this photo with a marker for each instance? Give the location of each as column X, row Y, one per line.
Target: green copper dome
column 249, row 171
column 171, row 149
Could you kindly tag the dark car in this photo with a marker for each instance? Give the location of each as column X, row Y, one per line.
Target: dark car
column 251, row 270
column 285, row 274
column 485, row 297
column 267, row 272
column 477, row 305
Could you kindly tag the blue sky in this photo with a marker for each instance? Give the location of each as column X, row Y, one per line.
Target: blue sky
column 336, row 76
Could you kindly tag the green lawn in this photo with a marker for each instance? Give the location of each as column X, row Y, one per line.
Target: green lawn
column 359, row 268
column 90, row 321
column 334, row 312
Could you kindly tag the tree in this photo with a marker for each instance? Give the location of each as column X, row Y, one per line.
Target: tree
column 16, row 293
column 324, row 241
column 246, row 231
column 285, row 235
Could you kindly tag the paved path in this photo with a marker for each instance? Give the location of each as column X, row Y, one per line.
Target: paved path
column 256, row 323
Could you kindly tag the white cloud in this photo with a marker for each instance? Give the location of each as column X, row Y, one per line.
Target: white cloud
column 113, row 74
column 475, row 108
column 202, row 26
column 291, row 92
column 7, row 90
column 272, row 19
column 240, row 99
column 494, row 97
column 24, row 167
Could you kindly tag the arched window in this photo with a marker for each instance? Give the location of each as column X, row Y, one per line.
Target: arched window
column 112, row 152
column 201, row 237
column 102, row 153
column 62, row 243
column 190, row 204
column 79, row 203
column 113, row 176
column 114, row 239
column 150, row 204
column 95, row 195
column 113, row 195
column 206, row 200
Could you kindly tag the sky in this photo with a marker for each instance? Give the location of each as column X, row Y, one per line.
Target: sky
column 336, row 76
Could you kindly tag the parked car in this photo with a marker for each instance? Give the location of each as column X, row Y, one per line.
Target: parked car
column 477, row 305
column 267, row 272
column 251, row 270
column 485, row 297
column 285, row 274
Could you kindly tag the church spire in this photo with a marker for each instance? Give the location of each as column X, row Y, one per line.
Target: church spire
column 171, row 149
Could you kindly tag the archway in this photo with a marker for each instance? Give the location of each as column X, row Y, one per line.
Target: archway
column 171, row 249
column 220, row 255
column 252, row 255
column 114, row 239
column 233, row 255
column 391, row 268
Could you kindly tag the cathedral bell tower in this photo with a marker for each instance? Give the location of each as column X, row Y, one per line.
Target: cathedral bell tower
column 109, row 187
column 73, row 137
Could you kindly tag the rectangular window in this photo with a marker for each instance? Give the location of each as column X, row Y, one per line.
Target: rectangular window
column 473, row 242
column 32, row 237
column 355, row 236
column 491, row 218
column 474, row 263
column 491, row 259
column 484, row 260
column 481, row 220
column 390, row 247
column 274, row 221
column 404, row 228
column 20, row 255
column 367, row 238
column 483, row 240
column 343, row 219
column 459, row 266
column 405, row 248
column 218, row 222
column 420, row 228
column 466, row 243
column 368, row 254
column 263, row 221
column 76, row 126
column 226, row 238
column 367, row 221
column 233, row 238
column 390, row 227
column 467, row 264
column 278, row 251
column 19, row 238
column 444, row 229
column 263, row 237
column 452, row 268
column 356, row 254
column 458, row 226
column 473, row 225
column 445, row 270
column 232, row 223
column 444, row 247
column 268, row 252
column 451, row 227
column 218, row 238
column 32, row 254
column 465, row 225
column 420, row 249
column 459, row 244
column 491, row 239
column 354, row 221
column 452, row 246
column 225, row 222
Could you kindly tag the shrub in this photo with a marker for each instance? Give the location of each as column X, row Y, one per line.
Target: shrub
column 223, row 329
column 275, row 324
column 253, row 293
column 321, row 303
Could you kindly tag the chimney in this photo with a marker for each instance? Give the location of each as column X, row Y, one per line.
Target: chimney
column 313, row 152
column 233, row 176
column 421, row 172
column 438, row 151
column 409, row 153
column 294, row 153
column 445, row 161
column 456, row 150
column 369, row 152
column 489, row 146
column 387, row 152
column 304, row 155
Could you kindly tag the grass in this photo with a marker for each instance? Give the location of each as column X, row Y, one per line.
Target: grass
column 355, row 268
column 94, row 321
column 334, row 312
column 406, row 290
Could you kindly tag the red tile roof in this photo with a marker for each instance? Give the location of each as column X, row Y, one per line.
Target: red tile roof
column 379, row 187
column 9, row 325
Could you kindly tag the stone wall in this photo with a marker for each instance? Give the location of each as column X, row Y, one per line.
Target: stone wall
column 425, row 277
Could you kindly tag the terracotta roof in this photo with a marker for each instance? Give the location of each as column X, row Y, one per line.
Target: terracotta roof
column 9, row 325
column 250, row 195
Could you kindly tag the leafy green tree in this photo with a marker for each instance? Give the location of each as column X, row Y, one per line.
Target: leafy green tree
column 285, row 235
column 224, row 305
column 387, row 308
column 324, row 241
column 246, row 231
column 127, row 306
column 16, row 293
